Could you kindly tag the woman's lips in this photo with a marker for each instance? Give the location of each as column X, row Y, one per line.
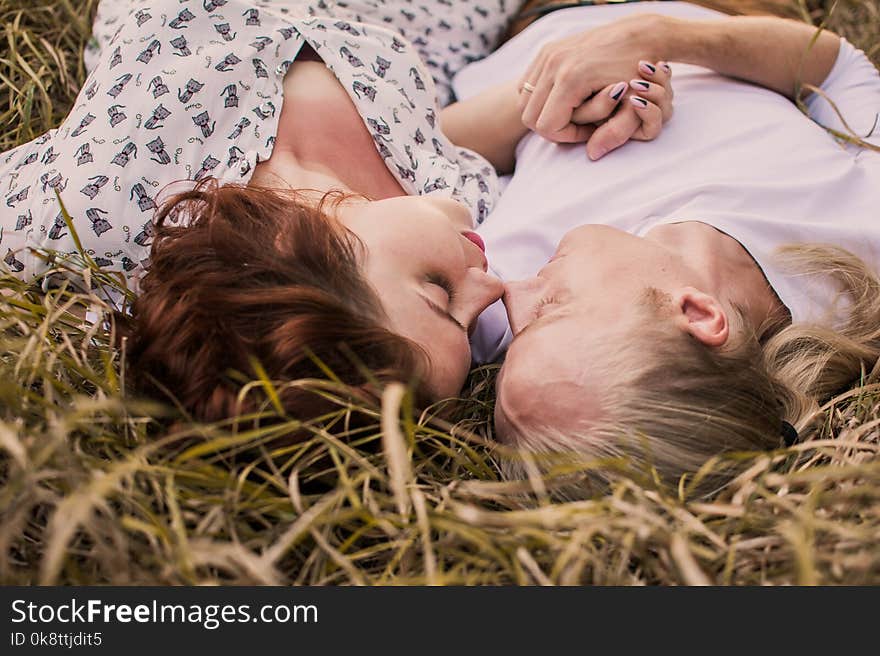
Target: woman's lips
column 477, row 241
column 475, row 238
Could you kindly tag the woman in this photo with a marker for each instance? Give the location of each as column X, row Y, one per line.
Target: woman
column 655, row 323
column 299, row 283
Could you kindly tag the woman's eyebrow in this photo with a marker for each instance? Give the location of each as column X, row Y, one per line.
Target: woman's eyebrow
column 443, row 313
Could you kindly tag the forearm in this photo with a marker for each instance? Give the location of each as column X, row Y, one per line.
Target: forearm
column 489, row 123
column 772, row 52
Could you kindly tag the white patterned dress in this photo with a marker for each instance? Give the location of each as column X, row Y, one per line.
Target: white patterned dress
column 448, row 34
column 192, row 88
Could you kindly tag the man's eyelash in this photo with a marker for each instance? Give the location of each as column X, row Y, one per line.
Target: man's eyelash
column 544, row 302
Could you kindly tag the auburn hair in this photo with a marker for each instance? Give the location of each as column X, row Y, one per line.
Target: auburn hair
column 258, row 279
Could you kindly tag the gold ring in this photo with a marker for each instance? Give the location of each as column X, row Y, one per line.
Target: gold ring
column 528, row 88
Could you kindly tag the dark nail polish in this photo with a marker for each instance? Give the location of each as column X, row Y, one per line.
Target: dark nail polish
column 617, row 90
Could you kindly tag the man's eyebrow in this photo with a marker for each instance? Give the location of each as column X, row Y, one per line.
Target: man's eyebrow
column 443, row 313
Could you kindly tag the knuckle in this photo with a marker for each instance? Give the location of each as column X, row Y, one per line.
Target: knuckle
column 580, row 115
column 566, row 74
column 555, row 60
column 543, row 128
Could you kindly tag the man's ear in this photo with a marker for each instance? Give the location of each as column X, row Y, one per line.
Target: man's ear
column 702, row 315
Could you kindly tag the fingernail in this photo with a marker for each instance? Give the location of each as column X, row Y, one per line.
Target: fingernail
column 647, row 68
column 599, row 154
column 617, row 90
column 641, row 103
column 666, row 67
column 639, row 85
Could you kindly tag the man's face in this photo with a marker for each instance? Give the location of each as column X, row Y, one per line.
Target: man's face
column 567, row 323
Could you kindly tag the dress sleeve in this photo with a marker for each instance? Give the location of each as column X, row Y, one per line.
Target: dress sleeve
column 853, row 85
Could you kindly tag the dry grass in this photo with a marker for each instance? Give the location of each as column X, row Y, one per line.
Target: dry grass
column 100, row 487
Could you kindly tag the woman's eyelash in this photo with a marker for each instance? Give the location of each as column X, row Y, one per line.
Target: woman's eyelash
column 443, row 282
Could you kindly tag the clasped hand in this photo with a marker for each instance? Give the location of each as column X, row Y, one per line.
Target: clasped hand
column 601, row 87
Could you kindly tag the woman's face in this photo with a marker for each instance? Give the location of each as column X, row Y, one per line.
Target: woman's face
column 430, row 275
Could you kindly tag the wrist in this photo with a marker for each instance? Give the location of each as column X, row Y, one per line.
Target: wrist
column 659, row 35
column 689, row 41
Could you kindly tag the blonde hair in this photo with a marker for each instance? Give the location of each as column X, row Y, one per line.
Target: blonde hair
column 669, row 413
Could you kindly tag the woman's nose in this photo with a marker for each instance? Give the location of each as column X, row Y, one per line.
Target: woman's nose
column 482, row 289
column 521, row 299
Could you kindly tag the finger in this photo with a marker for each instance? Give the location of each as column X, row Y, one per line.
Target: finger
column 615, row 132
column 566, row 94
column 651, row 118
column 600, row 106
column 536, row 100
column 524, row 96
column 653, row 93
column 659, row 73
column 532, row 74
column 574, row 133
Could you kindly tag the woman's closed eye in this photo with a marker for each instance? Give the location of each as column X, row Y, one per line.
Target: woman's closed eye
column 441, row 281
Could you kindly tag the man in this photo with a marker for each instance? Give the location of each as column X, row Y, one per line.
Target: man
column 686, row 226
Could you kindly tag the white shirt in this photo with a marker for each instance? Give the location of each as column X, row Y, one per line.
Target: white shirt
column 735, row 156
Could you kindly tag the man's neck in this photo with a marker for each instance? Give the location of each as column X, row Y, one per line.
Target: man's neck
column 727, row 269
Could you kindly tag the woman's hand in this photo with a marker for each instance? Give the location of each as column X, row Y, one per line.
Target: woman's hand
column 642, row 106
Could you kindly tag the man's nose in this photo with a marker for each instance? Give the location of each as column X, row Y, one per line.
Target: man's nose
column 521, row 299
